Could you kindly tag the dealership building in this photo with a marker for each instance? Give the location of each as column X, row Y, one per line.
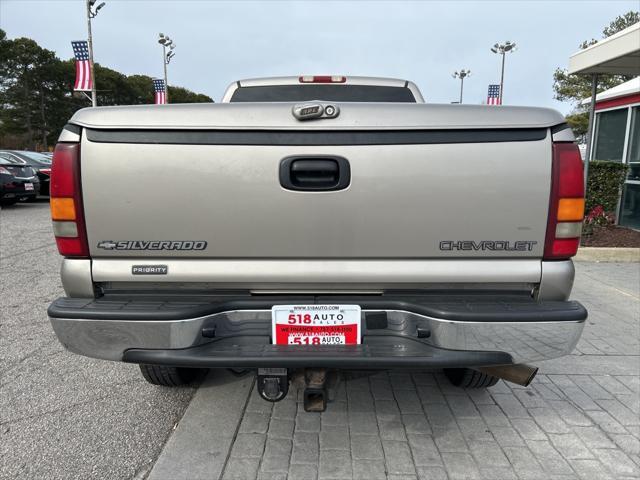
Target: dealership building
column 615, row 113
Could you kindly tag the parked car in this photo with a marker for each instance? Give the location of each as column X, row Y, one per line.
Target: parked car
column 18, row 181
column 332, row 233
column 41, row 162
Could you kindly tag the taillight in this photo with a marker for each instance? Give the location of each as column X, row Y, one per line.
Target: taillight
column 4, row 171
column 66, row 202
column 566, row 205
column 322, row 79
column 46, row 171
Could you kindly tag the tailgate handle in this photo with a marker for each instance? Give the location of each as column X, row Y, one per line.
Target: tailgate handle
column 315, row 173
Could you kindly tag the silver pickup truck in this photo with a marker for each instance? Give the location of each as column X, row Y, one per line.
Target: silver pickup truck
column 318, row 223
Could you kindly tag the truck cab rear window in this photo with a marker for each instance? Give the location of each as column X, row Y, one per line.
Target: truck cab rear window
column 328, row 92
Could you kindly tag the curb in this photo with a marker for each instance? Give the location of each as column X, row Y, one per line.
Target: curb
column 199, row 446
column 607, row 254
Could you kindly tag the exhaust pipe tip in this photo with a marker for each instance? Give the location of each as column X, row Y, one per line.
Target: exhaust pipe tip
column 520, row 374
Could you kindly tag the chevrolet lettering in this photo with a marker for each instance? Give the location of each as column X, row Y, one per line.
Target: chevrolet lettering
column 494, row 245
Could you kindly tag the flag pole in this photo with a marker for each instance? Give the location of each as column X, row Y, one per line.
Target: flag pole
column 94, row 99
column 164, row 62
column 503, row 49
column 502, row 78
column 166, row 42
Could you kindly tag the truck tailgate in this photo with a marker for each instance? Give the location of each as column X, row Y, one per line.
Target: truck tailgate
column 427, row 200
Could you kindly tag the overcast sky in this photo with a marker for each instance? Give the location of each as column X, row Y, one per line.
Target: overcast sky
column 219, row 42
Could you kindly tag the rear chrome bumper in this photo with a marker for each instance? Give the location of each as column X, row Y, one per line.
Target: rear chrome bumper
column 244, row 334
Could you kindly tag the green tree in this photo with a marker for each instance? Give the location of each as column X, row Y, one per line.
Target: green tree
column 112, row 87
column 4, row 56
column 182, row 95
column 142, row 86
column 28, row 86
column 575, row 88
column 37, row 97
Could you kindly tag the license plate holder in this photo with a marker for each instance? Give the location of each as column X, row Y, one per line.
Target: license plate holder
column 316, row 324
column 28, row 187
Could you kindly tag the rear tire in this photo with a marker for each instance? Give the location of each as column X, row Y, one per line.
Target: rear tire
column 6, row 203
column 468, row 378
column 170, row 376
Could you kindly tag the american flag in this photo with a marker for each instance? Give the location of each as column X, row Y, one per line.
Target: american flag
column 493, row 96
column 84, row 82
column 160, row 93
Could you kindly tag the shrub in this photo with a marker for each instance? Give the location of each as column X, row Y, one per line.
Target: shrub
column 596, row 218
column 604, row 184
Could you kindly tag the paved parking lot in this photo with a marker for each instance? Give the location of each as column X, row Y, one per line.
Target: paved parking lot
column 64, row 416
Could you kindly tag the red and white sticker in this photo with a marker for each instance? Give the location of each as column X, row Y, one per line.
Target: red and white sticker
column 315, row 324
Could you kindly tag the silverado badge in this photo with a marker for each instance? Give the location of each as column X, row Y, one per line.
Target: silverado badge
column 152, row 245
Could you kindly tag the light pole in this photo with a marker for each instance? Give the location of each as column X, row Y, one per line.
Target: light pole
column 462, row 74
column 92, row 14
column 166, row 42
column 503, row 49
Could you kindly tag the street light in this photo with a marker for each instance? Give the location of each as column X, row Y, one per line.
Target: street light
column 503, row 49
column 166, row 42
column 462, row 74
column 92, row 13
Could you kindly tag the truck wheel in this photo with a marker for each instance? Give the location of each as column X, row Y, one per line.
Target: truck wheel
column 468, row 378
column 169, row 376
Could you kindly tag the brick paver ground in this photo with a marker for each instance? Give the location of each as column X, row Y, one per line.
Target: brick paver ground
column 580, row 418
